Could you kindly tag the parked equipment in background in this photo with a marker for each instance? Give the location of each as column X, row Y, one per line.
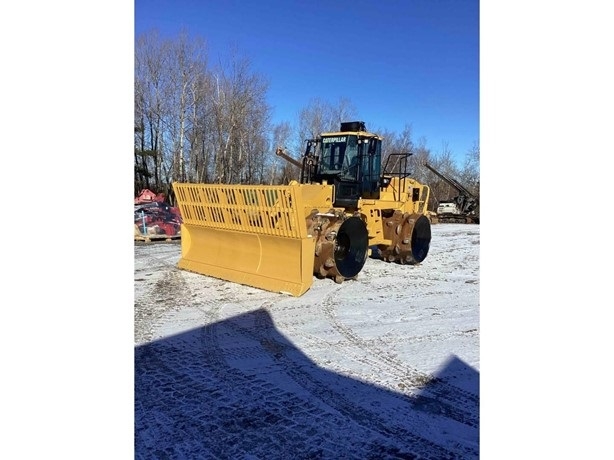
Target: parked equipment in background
column 464, row 208
column 154, row 219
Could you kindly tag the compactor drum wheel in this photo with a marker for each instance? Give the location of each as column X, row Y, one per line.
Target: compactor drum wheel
column 341, row 247
column 351, row 247
column 420, row 239
column 411, row 238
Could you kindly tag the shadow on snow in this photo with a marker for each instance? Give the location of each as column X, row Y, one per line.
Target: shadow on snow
column 239, row 389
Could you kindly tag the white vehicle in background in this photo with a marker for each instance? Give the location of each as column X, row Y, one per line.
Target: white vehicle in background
column 447, row 207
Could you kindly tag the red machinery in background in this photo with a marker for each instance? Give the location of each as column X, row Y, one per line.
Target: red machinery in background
column 153, row 217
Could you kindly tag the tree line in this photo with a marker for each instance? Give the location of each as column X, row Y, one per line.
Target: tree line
column 202, row 121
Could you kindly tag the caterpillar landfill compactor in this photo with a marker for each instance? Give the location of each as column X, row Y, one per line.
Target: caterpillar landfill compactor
column 278, row 237
column 393, row 205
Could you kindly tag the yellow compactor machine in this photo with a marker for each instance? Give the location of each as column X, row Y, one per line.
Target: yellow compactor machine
column 278, row 237
column 392, row 204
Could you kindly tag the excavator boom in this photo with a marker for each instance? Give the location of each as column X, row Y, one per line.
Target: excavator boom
column 450, row 180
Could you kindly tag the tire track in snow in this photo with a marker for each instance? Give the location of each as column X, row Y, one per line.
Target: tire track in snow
column 153, row 305
column 371, row 420
column 232, row 398
column 321, row 439
column 411, row 378
column 175, row 394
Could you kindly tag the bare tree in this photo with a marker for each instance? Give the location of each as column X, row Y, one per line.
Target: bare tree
column 470, row 174
column 193, row 123
column 203, row 124
column 344, row 110
column 256, row 147
column 240, row 116
column 151, row 83
column 187, row 69
column 322, row 116
column 314, row 119
column 396, row 143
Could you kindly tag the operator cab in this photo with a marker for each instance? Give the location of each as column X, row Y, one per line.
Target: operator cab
column 350, row 160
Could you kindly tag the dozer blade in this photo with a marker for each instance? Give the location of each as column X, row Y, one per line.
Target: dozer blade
column 258, row 236
column 273, row 263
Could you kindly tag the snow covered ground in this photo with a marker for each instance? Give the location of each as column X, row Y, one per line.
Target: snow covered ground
column 386, row 366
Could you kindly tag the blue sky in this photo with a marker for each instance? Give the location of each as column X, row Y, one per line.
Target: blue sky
column 401, row 62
